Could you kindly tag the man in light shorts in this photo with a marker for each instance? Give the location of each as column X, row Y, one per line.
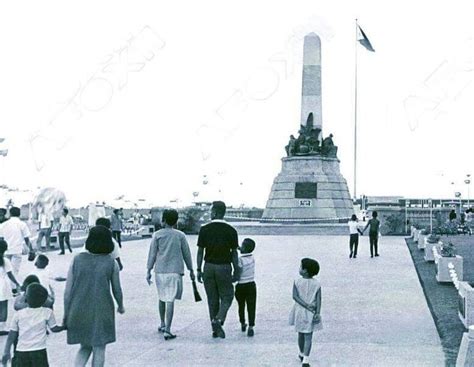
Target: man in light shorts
column 169, row 251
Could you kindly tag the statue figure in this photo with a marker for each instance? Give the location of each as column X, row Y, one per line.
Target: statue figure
column 328, row 148
column 291, row 147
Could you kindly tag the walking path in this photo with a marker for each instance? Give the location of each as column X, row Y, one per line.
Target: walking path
column 374, row 311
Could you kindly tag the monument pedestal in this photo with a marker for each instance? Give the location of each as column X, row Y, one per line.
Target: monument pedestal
column 309, row 188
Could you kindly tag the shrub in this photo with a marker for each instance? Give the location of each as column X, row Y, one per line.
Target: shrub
column 395, row 223
column 448, row 250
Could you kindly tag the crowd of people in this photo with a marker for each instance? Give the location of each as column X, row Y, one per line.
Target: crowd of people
column 94, row 274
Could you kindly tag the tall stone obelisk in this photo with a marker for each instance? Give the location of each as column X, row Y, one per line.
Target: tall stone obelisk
column 310, row 186
column 311, row 88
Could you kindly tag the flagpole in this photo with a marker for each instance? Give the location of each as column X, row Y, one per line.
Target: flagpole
column 355, row 115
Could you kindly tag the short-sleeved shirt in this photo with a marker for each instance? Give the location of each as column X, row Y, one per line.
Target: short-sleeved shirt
column 374, row 226
column 353, row 227
column 45, row 220
column 116, row 223
column 65, row 223
column 31, row 324
column 44, row 277
column 247, row 266
column 14, row 231
column 218, row 238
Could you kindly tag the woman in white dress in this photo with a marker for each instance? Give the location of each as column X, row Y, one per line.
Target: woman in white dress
column 305, row 315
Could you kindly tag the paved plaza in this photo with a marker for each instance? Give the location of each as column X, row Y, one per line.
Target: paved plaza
column 374, row 311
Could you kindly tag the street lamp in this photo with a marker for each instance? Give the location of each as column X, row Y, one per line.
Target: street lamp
column 467, row 181
column 407, row 204
column 430, row 202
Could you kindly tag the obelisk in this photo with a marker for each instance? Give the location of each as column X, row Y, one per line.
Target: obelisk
column 310, row 186
column 311, row 88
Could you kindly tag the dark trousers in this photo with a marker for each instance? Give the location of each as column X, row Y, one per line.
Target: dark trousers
column 36, row 358
column 246, row 294
column 374, row 241
column 117, row 237
column 354, row 243
column 217, row 280
column 64, row 236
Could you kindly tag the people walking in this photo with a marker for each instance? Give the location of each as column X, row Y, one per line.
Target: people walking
column 65, row 228
column 354, row 232
column 169, row 251
column 217, row 246
column 89, row 313
column 116, row 226
column 374, row 225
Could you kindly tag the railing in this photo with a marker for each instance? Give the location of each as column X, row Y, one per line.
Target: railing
column 453, row 275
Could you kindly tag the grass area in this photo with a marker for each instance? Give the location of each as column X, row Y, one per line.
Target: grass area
column 442, row 299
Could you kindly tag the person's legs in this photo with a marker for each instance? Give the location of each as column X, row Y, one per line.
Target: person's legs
column 162, row 309
column 82, row 356
column 169, row 315
column 251, row 303
column 15, row 260
column 67, row 237
column 308, row 341
column 371, row 241
column 301, row 345
column 61, row 236
column 351, row 245
column 356, row 244
column 376, row 245
column 210, row 287
column 225, row 289
column 119, row 238
column 48, row 238
column 240, row 297
column 3, row 317
column 41, row 234
column 98, row 356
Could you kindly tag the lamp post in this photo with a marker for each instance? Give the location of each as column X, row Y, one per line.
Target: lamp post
column 430, row 202
column 407, row 203
column 467, row 181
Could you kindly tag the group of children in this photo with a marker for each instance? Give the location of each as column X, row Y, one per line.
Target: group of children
column 33, row 315
column 305, row 315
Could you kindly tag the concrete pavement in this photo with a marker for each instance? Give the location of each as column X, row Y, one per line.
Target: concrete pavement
column 374, row 311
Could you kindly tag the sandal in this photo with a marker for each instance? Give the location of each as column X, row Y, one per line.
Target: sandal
column 168, row 336
column 161, row 329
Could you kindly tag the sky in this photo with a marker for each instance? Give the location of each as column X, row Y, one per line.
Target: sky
column 181, row 101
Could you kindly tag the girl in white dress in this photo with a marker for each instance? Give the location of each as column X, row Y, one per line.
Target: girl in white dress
column 305, row 315
column 6, row 276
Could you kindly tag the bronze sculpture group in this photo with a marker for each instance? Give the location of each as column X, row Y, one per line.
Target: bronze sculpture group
column 308, row 142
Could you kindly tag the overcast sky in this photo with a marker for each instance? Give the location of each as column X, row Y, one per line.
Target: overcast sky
column 101, row 99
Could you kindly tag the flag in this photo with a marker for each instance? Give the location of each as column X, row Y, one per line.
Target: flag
column 4, row 152
column 364, row 41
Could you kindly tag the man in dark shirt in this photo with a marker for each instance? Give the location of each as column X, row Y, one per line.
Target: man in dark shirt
column 217, row 245
column 374, row 225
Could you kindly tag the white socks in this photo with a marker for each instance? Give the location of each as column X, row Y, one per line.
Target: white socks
column 305, row 359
